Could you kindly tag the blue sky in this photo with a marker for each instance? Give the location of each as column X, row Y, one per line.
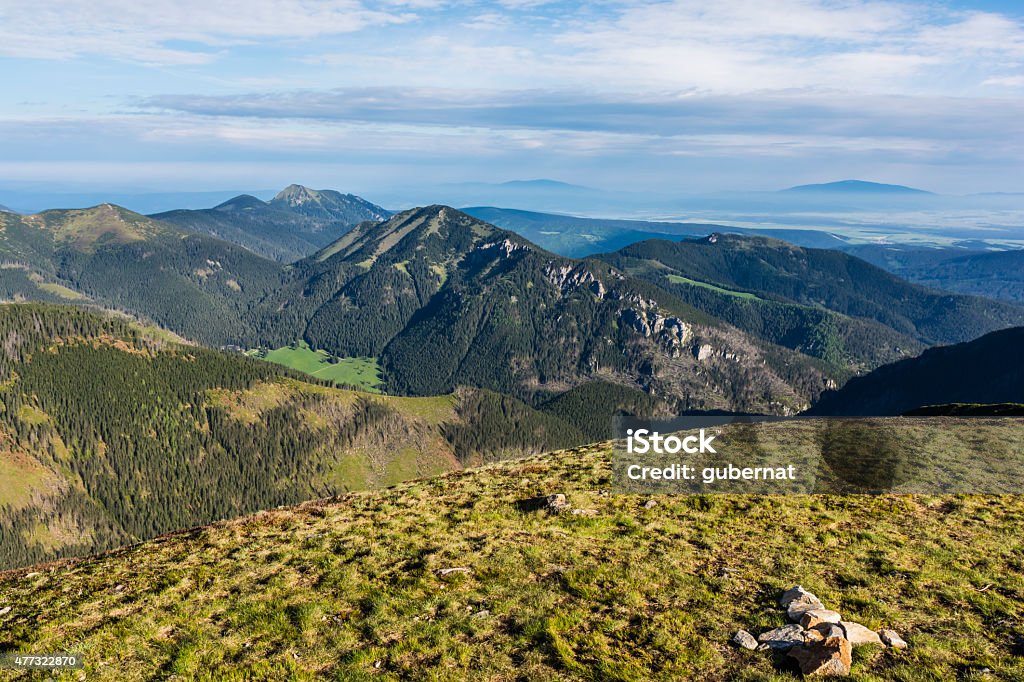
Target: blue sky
column 367, row 96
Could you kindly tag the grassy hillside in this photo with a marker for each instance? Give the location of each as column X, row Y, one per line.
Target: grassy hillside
column 361, row 587
column 110, row 433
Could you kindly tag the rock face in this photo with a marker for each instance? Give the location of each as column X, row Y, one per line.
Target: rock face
column 831, row 657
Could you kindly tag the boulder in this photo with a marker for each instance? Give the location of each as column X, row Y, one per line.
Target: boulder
column 744, row 639
column 892, row 638
column 784, row 638
column 858, row 634
column 809, row 619
column 831, row 657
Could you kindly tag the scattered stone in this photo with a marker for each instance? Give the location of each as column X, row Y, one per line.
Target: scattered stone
column 745, row 640
column 892, row 638
column 33, row 574
column 818, row 616
column 858, row 634
column 483, row 613
column 831, row 657
column 784, row 638
column 556, row 503
column 456, row 569
column 5, row 610
column 584, row 512
column 650, row 504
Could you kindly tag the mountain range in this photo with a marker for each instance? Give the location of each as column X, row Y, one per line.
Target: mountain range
column 441, row 299
column 296, row 223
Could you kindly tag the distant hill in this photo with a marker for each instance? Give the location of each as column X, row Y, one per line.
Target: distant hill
column 4, row 209
column 113, row 433
column 577, row 237
column 965, row 267
column 987, row 370
column 823, row 303
column 294, row 224
column 855, row 187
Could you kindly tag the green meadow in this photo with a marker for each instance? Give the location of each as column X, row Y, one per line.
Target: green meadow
column 362, row 373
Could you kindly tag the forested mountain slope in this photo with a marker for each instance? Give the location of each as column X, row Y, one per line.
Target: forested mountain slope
column 196, row 285
column 444, row 299
column 986, row 370
column 111, row 432
column 823, row 303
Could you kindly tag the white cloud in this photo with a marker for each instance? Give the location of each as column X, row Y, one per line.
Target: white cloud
column 146, row 31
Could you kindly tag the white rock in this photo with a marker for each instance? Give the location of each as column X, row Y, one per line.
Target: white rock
column 745, row 640
column 892, row 638
column 858, row 634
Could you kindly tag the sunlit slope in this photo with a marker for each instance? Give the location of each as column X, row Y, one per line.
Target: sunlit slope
column 457, row 578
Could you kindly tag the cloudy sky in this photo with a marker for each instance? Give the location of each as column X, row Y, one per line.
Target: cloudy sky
column 674, row 96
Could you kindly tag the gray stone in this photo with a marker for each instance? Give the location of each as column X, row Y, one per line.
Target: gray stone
column 794, row 593
column 892, row 638
column 745, row 640
column 650, row 504
column 798, row 607
column 5, row 610
column 858, row 634
column 784, row 638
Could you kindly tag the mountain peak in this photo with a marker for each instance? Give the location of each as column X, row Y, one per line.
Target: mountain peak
column 241, row 202
column 296, row 195
column 371, row 239
column 856, row 187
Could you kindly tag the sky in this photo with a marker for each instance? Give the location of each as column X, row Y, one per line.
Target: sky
column 366, row 96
